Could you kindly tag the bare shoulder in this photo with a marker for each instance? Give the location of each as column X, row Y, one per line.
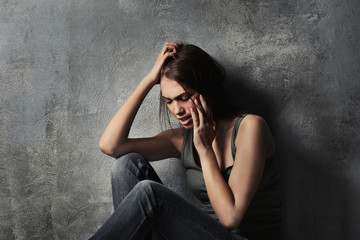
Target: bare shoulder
column 251, row 121
column 175, row 135
column 253, row 128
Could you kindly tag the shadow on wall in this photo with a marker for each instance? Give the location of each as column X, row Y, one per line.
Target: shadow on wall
column 246, row 99
column 316, row 196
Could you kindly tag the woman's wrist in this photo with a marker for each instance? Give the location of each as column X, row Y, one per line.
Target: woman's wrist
column 205, row 152
column 148, row 82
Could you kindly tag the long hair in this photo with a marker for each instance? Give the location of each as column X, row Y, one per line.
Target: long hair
column 195, row 68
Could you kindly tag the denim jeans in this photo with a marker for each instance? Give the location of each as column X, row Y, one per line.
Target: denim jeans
column 145, row 208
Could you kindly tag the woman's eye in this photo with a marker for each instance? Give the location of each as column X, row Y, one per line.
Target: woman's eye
column 185, row 98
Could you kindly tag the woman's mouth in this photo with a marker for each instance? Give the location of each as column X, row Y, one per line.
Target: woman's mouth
column 185, row 120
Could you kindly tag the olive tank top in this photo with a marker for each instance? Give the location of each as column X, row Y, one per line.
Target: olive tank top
column 263, row 215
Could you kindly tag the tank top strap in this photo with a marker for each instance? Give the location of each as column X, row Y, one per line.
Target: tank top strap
column 187, row 156
column 185, row 150
column 234, row 134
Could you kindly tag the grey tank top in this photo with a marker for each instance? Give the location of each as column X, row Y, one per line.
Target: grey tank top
column 263, row 216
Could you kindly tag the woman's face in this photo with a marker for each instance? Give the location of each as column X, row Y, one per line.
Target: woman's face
column 179, row 100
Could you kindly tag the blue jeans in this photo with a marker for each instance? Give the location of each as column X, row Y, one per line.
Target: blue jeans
column 145, row 208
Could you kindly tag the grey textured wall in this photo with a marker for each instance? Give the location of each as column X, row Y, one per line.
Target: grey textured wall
column 67, row 66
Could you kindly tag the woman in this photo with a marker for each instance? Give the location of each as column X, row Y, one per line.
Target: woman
column 227, row 157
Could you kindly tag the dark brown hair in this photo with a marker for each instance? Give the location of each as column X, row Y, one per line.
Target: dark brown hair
column 195, row 68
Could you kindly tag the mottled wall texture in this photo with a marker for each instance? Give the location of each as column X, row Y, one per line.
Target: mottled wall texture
column 67, row 66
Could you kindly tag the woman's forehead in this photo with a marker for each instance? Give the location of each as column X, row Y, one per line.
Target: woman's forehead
column 171, row 88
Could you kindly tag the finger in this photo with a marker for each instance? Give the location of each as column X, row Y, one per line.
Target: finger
column 206, row 113
column 201, row 118
column 169, row 47
column 172, row 44
column 206, row 107
column 168, row 54
column 201, row 110
column 194, row 118
column 198, row 104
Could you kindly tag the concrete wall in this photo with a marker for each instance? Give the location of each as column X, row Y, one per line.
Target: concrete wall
column 67, row 66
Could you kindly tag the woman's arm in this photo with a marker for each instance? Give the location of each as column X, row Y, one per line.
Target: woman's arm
column 115, row 142
column 254, row 144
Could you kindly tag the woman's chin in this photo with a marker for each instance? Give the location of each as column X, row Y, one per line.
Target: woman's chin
column 188, row 126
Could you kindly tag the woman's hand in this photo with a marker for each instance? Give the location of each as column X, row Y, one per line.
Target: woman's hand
column 168, row 50
column 203, row 124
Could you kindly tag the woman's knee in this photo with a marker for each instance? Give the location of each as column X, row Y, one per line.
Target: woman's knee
column 129, row 161
column 148, row 184
column 149, row 188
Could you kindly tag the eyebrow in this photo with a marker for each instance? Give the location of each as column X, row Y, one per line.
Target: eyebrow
column 177, row 97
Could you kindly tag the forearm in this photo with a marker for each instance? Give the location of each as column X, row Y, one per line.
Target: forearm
column 219, row 192
column 117, row 131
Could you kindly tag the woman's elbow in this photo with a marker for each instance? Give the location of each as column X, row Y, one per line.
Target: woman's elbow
column 230, row 222
column 107, row 150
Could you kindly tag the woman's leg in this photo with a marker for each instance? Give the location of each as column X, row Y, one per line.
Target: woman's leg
column 126, row 172
column 150, row 205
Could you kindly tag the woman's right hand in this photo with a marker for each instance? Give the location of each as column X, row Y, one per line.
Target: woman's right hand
column 169, row 50
column 115, row 139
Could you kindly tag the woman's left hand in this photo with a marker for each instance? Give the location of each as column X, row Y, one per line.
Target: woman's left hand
column 203, row 124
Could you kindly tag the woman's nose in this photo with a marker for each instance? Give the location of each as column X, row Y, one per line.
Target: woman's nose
column 178, row 109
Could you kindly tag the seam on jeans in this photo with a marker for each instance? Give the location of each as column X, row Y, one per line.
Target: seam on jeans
column 136, row 230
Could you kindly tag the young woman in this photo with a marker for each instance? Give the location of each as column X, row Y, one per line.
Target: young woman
column 227, row 157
